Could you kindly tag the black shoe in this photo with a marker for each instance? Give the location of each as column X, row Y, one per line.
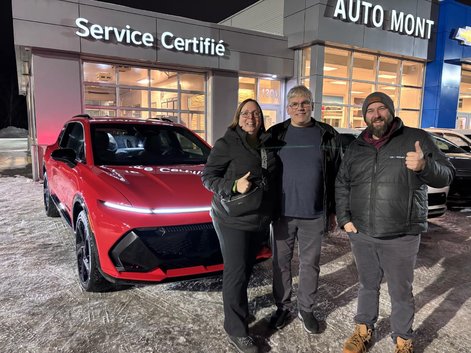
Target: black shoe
column 310, row 323
column 244, row 344
column 279, row 319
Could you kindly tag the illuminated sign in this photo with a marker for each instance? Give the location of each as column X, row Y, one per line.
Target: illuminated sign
column 127, row 35
column 366, row 13
column 464, row 34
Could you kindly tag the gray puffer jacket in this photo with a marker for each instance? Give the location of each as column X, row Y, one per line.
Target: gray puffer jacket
column 377, row 193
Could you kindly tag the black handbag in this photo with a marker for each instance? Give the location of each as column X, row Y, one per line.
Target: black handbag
column 240, row 204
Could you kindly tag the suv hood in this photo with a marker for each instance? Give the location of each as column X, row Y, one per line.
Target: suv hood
column 158, row 186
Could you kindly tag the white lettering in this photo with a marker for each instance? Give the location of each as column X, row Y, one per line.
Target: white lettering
column 378, row 16
column 365, row 13
column 351, row 16
column 397, row 21
column 366, row 10
column 108, row 33
column 195, row 45
column 84, row 28
column 340, row 10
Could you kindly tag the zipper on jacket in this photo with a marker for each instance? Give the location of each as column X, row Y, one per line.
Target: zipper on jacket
column 373, row 193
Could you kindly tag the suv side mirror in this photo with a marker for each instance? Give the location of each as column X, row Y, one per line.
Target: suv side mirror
column 66, row 155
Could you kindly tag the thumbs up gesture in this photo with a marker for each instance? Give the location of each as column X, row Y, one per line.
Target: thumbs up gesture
column 415, row 160
column 243, row 184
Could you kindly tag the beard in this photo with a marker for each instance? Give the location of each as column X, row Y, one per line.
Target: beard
column 381, row 130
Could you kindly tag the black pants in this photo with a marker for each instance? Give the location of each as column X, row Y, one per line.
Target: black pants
column 239, row 249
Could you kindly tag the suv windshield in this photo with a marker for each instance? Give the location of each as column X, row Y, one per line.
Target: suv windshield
column 146, row 144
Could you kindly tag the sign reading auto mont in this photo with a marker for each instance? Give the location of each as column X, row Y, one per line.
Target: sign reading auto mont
column 364, row 12
column 127, row 35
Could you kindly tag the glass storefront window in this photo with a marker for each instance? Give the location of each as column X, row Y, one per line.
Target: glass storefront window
column 356, row 118
column 140, row 92
column 335, row 91
column 163, row 79
column 102, row 73
column 388, row 70
column 247, row 88
column 391, row 91
column 305, row 82
column 136, row 98
column 409, row 117
column 336, row 62
column 195, row 122
column 359, row 92
column 410, row 98
column 402, row 80
column 363, row 67
column 132, row 76
column 412, row 73
column 100, row 112
column 334, row 115
column 192, row 102
column 269, row 91
column 269, row 117
column 164, row 100
column 100, row 95
column 143, row 114
column 192, row 82
column 306, row 62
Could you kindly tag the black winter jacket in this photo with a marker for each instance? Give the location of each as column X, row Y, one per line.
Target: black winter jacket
column 331, row 148
column 230, row 159
column 378, row 194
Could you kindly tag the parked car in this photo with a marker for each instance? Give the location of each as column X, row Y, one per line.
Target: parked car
column 460, row 189
column 132, row 194
column 437, row 197
column 454, row 136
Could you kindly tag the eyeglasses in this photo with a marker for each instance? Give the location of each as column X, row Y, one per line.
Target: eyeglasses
column 296, row 105
column 255, row 114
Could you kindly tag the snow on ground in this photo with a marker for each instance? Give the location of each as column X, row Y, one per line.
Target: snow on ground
column 12, row 132
column 43, row 309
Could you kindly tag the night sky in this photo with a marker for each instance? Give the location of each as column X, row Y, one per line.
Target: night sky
column 13, row 106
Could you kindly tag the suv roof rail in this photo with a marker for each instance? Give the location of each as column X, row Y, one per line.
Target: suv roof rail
column 82, row 116
column 161, row 119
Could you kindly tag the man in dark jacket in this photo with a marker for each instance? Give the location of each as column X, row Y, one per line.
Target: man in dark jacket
column 310, row 155
column 381, row 199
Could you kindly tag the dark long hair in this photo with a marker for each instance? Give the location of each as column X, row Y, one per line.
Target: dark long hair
column 235, row 120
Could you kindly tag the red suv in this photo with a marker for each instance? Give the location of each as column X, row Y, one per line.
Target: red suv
column 131, row 191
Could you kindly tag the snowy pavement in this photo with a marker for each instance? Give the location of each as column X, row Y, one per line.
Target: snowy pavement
column 43, row 309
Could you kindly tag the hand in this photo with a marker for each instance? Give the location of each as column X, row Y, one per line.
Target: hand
column 332, row 222
column 415, row 161
column 350, row 228
column 243, row 184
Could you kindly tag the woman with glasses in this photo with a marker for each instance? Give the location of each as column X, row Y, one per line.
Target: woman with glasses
column 239, row 162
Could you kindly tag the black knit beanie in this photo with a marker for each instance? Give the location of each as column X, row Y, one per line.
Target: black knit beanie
column 378, row 97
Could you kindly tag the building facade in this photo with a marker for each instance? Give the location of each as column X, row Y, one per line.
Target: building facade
column 79, row 56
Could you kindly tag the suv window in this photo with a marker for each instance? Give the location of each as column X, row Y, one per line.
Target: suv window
column 146, row 144
column 73, row 139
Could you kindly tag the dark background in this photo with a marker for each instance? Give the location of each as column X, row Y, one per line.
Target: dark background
column 13, row 106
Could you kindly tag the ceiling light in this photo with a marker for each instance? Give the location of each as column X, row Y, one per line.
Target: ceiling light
column 144, row 81
column 339, row 82
column 389, row 88
column 330, row 68
column 386, row 76
column 357, row 92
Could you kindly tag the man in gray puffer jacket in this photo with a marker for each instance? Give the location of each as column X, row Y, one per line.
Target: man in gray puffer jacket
column 381, row 200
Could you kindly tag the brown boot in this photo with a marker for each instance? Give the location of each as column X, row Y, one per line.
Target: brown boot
column 359, row 341
column 404, row 346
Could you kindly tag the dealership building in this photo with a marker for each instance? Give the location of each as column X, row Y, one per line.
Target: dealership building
column 80, row 56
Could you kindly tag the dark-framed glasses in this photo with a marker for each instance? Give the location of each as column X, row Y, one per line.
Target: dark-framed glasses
column 255, row 114
column 303, row 104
